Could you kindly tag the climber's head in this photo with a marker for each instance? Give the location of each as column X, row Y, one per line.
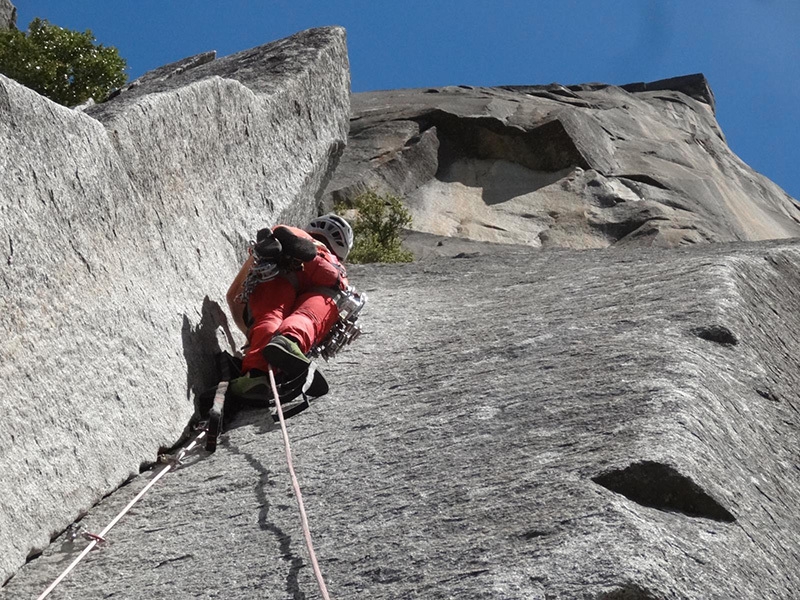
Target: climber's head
column 333, row 231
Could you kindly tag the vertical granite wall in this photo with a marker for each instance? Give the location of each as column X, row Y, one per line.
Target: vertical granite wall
column 121, row 229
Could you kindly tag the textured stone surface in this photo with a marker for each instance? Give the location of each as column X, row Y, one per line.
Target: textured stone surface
column 162, row 75
column 583, row 166
column 8, row 14
column 221, row 115
column 369, row 165
column 121, row 232
column 597, row 424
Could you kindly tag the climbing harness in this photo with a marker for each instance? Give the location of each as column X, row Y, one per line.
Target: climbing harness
column 295, row 393
column 346, row 329
column 169, row 464
column 303, row 517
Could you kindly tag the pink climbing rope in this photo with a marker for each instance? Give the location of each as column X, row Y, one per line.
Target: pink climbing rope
column 101, row 536
column 168, row 467
column 296, row 486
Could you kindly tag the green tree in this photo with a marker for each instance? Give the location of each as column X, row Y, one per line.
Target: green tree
column 66, row 66
column 377, row 226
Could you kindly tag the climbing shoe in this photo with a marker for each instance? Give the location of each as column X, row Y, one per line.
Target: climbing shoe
column 251, row 389
column 284, row 354
column 318, row 385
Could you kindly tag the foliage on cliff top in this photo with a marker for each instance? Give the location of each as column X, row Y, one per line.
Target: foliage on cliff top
column 64, row 65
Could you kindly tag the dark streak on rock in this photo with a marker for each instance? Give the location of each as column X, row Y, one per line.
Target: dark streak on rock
column 661, row 487
column 535, row 533
column 384, row 575
column 646, row 179
column 172, row 560
column 284, row 540
column 767, row 394
column 719, row 334
column 630, row 591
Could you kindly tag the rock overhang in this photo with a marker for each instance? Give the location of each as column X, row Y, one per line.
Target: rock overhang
column 659, row 140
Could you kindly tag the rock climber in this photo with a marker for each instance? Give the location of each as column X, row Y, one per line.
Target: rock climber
column 284, row 298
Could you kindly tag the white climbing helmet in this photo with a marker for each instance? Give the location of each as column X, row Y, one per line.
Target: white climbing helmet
column 335, row 231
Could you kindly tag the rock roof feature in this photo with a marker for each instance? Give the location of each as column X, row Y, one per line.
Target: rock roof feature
column 580, row 166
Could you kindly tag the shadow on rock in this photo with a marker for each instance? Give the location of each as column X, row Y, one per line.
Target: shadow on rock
column 201, row 347
column 267, row 523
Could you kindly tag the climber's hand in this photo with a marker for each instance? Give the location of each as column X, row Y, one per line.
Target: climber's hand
column 296, row 247
column 289, row 263
column 267, row 246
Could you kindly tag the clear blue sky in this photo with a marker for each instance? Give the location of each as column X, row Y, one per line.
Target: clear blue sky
column 748, row 49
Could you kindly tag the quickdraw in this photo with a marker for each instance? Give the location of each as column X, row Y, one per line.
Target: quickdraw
column 97, row 538
column 346, row 330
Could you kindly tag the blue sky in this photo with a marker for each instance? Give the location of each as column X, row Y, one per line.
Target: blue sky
column 748, row 49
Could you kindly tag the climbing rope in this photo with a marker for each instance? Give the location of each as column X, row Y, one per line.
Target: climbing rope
column 303, row 518
column 100, row 537
column 177, row 461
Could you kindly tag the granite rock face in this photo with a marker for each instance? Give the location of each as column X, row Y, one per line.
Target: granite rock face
column 582, row 166
column 603, row 424
column 220, row 115
column 122, row 227
column 8, row 15
column 583, row 424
